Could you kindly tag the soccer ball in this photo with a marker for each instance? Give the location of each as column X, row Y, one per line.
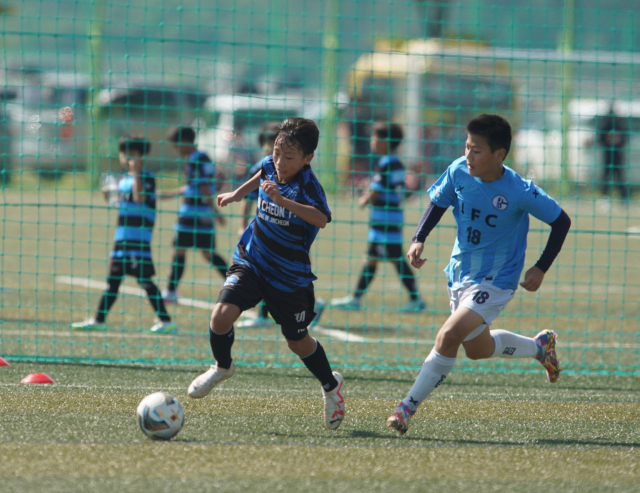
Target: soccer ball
column 160, row 416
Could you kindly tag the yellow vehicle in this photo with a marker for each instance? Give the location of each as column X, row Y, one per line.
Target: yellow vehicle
column 433, row 88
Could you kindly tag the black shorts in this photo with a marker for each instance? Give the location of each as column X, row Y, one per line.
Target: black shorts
column 138, row 267
column 194, row 239
column 385, row 251
column 292, row 311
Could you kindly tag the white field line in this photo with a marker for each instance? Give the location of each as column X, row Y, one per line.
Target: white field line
column 99, row 285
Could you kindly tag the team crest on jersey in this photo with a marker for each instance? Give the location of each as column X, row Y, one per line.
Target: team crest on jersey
column 500, row 202
column 231, row 280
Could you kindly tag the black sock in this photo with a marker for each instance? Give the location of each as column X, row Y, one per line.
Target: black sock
column 155, row 298
column 177, row 269
column 366, row 276
column 264, row 313
column 318, row 364
column 220, row 264
column 407, row 278
column 108, row 298
column 221, row 347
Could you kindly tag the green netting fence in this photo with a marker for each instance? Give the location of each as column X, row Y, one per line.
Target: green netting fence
column 76, row 76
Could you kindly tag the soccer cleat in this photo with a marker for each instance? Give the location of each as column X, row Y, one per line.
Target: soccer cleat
column 318, row 308
column 168, row 327
column 414, row 306
column 205, row 383
column 170, row 296
column 334, row 406
column 346, row 303
column 255, row 323
column 89, row 324
column 400, row 418
column 546, row 341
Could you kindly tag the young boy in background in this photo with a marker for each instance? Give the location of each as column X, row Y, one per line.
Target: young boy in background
column 195, row 226
column 385, row 220
column 131, row 253
column 491, row 205
column 271, row 262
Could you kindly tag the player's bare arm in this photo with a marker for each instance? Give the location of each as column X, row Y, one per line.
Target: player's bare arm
column 240, row 193
column 169, row 194
column 415, row 255
column 306, row 212
column 135, row 168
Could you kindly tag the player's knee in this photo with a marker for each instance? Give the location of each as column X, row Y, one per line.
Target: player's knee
column 446, row 339
column 474, row 354
column 221, row 319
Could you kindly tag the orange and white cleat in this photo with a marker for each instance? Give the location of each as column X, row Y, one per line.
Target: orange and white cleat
column 399, row 420
column 546, row 341
column 334, row 407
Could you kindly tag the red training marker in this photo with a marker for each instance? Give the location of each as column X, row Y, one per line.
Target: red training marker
column 37, row 378
column 3, row 362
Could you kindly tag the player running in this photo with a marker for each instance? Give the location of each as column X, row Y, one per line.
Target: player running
column 491, row 205
column 271, row 262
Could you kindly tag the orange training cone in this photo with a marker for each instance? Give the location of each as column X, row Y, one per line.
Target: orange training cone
column 3, row 362
column 37, row 378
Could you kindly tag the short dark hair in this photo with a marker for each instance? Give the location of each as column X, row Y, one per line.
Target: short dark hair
column 494, row 128
column 134, row 143
column 300, row 133
column 181, row 135
column 269, row 133
column 388, row 132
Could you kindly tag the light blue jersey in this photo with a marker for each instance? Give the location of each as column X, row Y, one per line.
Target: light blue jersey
column 493, row 222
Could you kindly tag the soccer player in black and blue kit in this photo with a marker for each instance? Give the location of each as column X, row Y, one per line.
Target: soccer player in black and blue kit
column 271, row 262
column 131, row 253
column 386, row 196
column 195, row 227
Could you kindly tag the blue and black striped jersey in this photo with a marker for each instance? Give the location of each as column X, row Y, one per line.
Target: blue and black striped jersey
column 135, row 221
column 253, row 196
column 386, row 216
column 195, row 213
column 276, row 243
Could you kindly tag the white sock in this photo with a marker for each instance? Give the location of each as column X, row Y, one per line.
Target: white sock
column 510, row 345
column 433, row 372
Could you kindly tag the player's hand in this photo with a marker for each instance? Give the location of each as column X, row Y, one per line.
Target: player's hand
column 532, row 279
column 225, row 199
column 415, row 253
column 221, row 220
column 364, row 200
column 135, row 166
column 272, row 190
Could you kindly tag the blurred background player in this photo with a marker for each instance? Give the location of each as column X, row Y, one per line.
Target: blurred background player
column 195, row 227
column 613, row 135
column 491, row 205
column 385, row 196
column 271, row 262
column 267, row 139
column 131, row 253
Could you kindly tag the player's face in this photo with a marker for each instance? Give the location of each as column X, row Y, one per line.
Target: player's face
column 126, row 157
column 378, row 146
column 289, row 161
column 482, row 162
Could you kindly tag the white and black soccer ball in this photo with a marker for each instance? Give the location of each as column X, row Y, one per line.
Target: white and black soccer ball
column 160, row 416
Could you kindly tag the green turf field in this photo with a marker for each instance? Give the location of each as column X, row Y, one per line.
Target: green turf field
column 56, row 242
column 263, row 431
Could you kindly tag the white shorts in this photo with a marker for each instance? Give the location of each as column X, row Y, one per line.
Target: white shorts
column 484, row 299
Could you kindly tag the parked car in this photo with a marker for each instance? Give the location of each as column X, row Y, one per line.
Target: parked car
column 149, row 109
column 229, row 128
column 47, row 123
column 538, row 146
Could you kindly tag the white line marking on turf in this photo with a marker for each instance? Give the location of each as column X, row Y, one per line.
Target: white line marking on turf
column 100, row 285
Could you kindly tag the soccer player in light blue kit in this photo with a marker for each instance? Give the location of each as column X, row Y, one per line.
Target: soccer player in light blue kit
column 491, row 205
